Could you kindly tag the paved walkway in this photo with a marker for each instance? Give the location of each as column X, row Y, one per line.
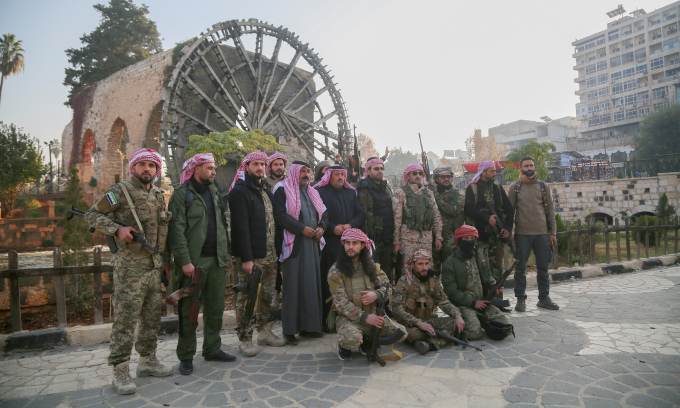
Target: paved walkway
column 614, row 343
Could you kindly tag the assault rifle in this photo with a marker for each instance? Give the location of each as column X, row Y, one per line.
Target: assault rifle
column 252, row 287
column 439, row 333
column 398, row 265
column 376, row 340
column 423, row 158
column 495, row 232
column 492, row 291
column 194, row 289
column 376, row 236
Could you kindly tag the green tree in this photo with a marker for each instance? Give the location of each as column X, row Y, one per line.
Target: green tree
column 11, row 58
column 230, row 142
column 664, row 209
column 539, row 151
column 124, row 36
column 20, row 163
column 659, row 134
column 398, row 160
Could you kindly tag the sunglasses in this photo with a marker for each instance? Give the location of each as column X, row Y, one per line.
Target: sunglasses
column 445, row 177
column 378, row 168
column 417, row 173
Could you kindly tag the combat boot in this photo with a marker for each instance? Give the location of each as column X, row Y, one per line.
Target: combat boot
column 247, row 348
column 149, row 366
column 266, row 338
column 546, row 303
column 521, row 305
column 424, row 347
column 121, row 379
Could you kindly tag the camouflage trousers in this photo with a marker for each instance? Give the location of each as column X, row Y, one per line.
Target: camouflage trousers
column 445, row 324
column 137, row 298
column 438, row 257
column 264, row 299
column 475, row 320
column 492, row 253
column 411, row 241
column 351, row 334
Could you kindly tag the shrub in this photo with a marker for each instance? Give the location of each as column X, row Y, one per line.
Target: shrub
column 93, row 182
column 27, row 203
column 46, row 243
column 34, row 214
column 652, row 236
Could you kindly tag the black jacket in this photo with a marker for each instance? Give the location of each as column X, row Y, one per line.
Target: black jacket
column 343, row 207
column 287, row 222
column 382, row 205
column 501, row 204
column 248, row 219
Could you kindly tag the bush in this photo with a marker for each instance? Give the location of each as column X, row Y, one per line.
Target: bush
column 561, row 242
column 34, row 214
column 93, row 182
column 27, row 203
column 59, row 209
column 652, row 235
column 46, row 243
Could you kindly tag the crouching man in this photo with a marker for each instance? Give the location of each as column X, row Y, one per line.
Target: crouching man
column 466, row 282
column 356, row 284
column 414, row 303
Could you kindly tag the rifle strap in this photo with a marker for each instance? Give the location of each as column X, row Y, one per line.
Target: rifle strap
column 396, row 357
column 132, row 207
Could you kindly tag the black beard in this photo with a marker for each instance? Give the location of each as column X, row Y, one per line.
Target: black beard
column 428, row 275
column 205, row 182
column 255, row 177
column 143, row 181
column 277, row 174
column 530, row 174
column 346, row 266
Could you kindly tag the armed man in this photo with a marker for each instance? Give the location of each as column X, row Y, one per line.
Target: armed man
column 375, row 195
column 198, row 237
column 276, row 173
column 450, row 202
column 414, row 303
column 356, row 284
column 487, row 207
column 465, row 284
column 417, row 223
column 136, row 269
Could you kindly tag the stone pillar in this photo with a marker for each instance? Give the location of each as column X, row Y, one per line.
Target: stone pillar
column 50, row 205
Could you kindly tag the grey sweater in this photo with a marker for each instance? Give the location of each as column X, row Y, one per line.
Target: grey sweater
column 529, row 210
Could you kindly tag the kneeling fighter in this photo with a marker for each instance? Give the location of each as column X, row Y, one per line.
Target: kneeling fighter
column 356, row 284
column 414, row 303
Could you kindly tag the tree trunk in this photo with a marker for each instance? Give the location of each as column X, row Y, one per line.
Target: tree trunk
column 2, row 81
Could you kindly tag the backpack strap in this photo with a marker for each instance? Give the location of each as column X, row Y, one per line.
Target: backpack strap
column 188, row 199
column 544, row 196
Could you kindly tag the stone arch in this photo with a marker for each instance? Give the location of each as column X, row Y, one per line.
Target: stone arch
column 604, row 211
column 114, row 162
column 602, row 216
column 87, row 147
column 641, row 210
column 153, row 128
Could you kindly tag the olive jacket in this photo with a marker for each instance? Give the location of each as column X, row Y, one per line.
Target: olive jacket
column 455, row 279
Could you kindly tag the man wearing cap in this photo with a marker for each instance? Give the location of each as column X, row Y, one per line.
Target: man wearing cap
column 485, row 203
column 415, row 300
column 320, row 170
column 198, row 237
column 375, row 195
column 417, row 223
column 136, row 269
column 450, row 202
column 253, row 233
column 344, row 212
column 301, row 219
column 276, row 173
column 466, row 284
column 356, row 283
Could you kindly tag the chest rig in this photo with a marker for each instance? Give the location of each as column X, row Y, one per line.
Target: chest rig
column 354, row 285
column 149, row 214
column 419, row 215
column 419, row 298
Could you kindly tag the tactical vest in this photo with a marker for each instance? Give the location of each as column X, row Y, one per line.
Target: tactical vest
column 469, row 220
column 151, row 214
column 418, row 215
column 354, row 285
column 419, row 300
column 451, row 224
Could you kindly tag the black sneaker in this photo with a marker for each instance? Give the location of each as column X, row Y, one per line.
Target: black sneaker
column 186, row 367
column 221, row 356
column 344, row 354
column 521, row 305
column 546, row 303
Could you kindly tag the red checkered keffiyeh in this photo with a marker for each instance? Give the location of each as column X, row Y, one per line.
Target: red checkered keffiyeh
column 191, row 164
column 370, row 164
column 147, row 155
column 482, row 166
column 465, row 231
column 291, row 186
column 408, row 265
column 413, row 167
column 241, row 173
column 327, row 179
column 358, row 235
column 273, row 157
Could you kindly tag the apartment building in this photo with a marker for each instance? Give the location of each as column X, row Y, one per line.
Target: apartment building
column 627, row 71
column 519, row 132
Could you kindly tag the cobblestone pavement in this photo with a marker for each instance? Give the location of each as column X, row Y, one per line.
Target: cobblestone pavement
column 614, row 343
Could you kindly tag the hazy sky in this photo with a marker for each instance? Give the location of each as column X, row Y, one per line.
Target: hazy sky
column 441, row 68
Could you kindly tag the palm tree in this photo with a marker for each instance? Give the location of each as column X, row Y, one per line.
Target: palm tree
column 11, row 58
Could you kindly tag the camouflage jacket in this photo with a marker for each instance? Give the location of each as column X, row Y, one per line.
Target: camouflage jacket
column 399, row 205
column 400, row 298
column 341, row 300
column 112, row 210
column 451, row 203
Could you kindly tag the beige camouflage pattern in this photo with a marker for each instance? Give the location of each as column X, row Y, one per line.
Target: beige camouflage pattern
column 476, row 319
column 351, row 334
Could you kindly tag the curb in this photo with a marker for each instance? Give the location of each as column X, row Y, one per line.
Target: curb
column 86, row 335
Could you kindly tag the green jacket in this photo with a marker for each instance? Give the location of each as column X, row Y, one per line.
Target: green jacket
column 188, row 231
column 455, row 279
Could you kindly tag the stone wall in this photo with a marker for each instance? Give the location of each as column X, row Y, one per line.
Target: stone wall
column 30, row 233
column 615, row 198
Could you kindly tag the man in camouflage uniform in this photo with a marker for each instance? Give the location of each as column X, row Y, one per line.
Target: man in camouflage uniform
column 276, row 173
column 253, row 232
column 137, row 270
column 417, row 223
column 356, row 283
column 450, row 202
column 414, row 303
column 465, row 284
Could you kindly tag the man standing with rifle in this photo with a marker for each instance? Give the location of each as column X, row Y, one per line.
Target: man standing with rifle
column 465, row 284
column 137, row 270
column 535, row 229
column 415, row 300
column 198, row 238
column 450, row 202
column 357, row 284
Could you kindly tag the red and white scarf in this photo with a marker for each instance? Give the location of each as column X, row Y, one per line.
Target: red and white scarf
column 241, row 172
column 327, row 179
column 147, row 155
column 191, row 164
column 358, row 235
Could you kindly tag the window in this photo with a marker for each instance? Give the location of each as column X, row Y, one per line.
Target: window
column 618, row 102
column 618, row 116
column 582, row 111
column 602, row 65
column 656, row 36
column 640, row 28
column 630, row 99
column 643, row 111
column 602, row 79
column 592, row 95
column 602, row 92
column 643, row 97
column 628, row 72
column 593, row 109
column 604, row 106
column 591, row 82
column 594, row 121
column 617, row 89
column 629, row 85
column 659, row 93
column 628, row 57
column 659, row 106
column 656, row 63
column 605, row 119
column 672, row 43
column 631, row 114
column 640, row 54
column 613, row 36
column 642, row 41
column 590, row 69
column 614, row 62
column 641, row 69
column 616, row 76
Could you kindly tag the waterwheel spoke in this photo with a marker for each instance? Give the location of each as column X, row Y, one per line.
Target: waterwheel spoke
column 304, row 86
column 187, row 115
column 270, row 75
column 258, row 76
column 283, row 82
column 208, row 103
column 312, row 126
column 226, row 96
column 229, row 76
column 310, row 99
column 315, row 143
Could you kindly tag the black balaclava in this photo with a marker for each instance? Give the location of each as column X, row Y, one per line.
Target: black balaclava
column 467, row 248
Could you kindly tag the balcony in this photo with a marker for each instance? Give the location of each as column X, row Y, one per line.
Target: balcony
column 640, row 28
column 672, row 16
column 673, row 31
column 615, row 50
column 627, row 46
column 655, row 22
column 656, row 37
column 641, row 42
column 580, row 79
column 627, row 33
